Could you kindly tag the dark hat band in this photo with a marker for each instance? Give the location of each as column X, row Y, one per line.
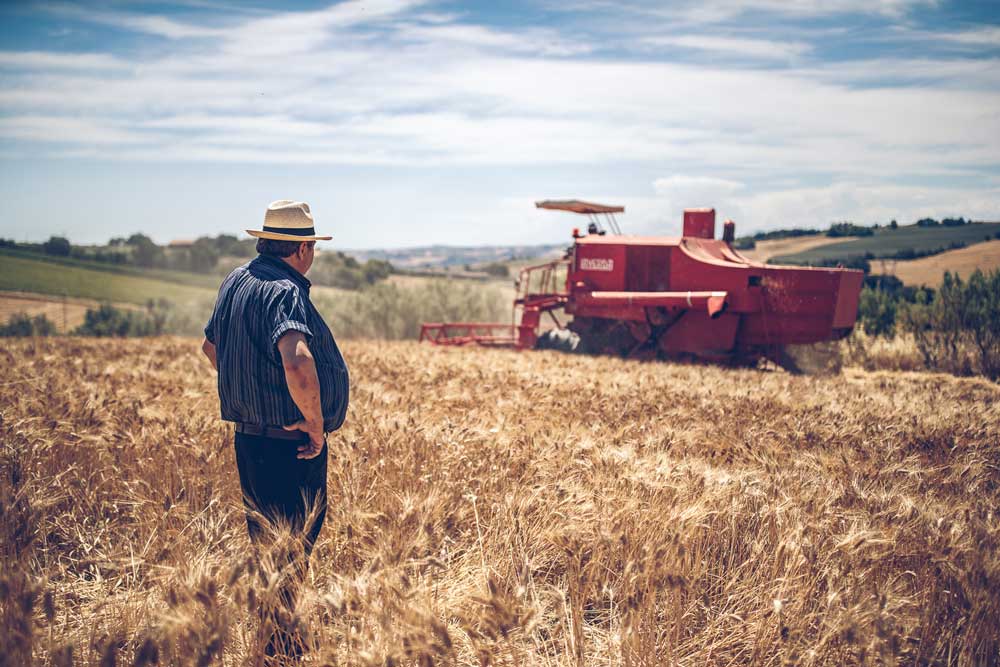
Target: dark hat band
column 294, row 231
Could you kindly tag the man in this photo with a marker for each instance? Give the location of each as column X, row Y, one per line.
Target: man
column 281, row 377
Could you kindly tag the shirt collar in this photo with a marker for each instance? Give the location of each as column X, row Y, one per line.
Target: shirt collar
column 286, row 268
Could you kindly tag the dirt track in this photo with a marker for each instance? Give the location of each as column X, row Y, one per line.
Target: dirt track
column 66, row 313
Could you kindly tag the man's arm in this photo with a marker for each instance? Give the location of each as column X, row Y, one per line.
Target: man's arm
column 209, row 349
column 303, row 385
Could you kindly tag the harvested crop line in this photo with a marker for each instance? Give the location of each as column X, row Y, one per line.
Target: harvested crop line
column 625, row 513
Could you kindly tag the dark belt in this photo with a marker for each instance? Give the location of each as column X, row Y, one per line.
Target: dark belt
column 270, row 431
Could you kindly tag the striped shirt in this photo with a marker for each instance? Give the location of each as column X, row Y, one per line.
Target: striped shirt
column 257, row 304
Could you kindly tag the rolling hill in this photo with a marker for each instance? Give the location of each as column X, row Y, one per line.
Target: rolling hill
column 765, row 250
column 886, row 242
column 963, row 261
column 90, row 280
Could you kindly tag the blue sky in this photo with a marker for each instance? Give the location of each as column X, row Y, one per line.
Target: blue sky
column 408, row 123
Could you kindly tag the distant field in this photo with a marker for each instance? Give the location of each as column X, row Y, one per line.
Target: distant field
column 66, row 313
column 207, row 280
column 765, row 250
column 27, row 274
column 887, row 241
column 963, row 261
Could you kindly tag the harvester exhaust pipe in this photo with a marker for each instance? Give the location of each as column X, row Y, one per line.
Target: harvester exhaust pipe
column 729, row 231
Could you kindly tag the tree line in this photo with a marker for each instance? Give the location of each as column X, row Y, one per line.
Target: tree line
column 843, row 229
column 208, row 254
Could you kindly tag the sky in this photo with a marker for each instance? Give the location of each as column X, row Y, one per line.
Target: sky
column 408, row 123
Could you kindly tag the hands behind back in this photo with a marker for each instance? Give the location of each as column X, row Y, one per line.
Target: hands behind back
column 312, row 447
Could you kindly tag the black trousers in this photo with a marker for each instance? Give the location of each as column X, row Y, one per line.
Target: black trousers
column 281, row 487
column 283, row 490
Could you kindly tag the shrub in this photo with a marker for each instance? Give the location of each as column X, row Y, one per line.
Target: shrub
column 110, row 321
column 335, row 269
column 498, row 269
column 145, row 253
column 840, row 229
column 958, row 330
column 877, row 312
column 391, row 311
column 784, row 234
column 22, row 324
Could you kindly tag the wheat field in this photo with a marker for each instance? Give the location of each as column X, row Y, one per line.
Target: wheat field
column 502, row 508
column 962, row 261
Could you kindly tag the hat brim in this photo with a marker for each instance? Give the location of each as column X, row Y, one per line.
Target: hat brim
column 274, row 236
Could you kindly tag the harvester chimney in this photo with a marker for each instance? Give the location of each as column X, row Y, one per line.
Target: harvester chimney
column 699, row 223
column 729, row 231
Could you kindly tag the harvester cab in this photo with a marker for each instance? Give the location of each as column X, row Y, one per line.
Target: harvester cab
column 692, row 296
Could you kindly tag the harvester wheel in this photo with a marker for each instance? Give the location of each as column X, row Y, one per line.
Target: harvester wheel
column 619, row 341
column 562, row 340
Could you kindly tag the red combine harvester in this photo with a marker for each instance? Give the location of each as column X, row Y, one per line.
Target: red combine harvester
column 661, row 297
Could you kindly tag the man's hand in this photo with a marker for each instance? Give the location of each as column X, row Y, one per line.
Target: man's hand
column 210, row 352
column 317, row 439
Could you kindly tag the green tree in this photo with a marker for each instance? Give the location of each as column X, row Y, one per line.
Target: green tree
column 57, row 245
column 110, row 321
column 203, row 255
column 877, row 312
column 981, row 318
column 498, row 269
column 958, row 329
column 145, row 253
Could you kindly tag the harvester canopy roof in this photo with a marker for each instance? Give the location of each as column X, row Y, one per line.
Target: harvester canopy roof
column 577, row 206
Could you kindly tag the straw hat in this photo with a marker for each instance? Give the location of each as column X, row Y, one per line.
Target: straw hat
column 287, row 220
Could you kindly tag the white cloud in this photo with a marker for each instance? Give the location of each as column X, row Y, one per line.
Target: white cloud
column 305, row 32
column 483, row 108
column 865, row 203
column 754, row 48
column 160, row 26
column 971, row 39
column 60, row 129
column 691, row 188
column 989, row 36
column 699, row 12
column 545, row 42
column 48, row 60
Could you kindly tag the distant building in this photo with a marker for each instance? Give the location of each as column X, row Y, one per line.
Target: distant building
column 181, row 243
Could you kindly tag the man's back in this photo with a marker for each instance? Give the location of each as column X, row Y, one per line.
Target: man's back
column 257, row 304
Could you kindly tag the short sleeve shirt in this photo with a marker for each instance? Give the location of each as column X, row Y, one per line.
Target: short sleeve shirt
column 258, row 303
